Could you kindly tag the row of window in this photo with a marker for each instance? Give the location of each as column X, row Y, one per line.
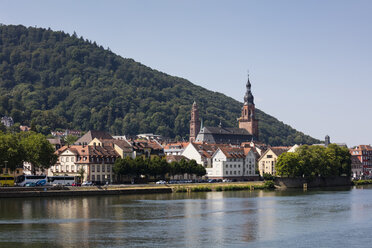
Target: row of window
column 237, row 173
column 231, row 166
column 99, row 167
column 94, row 159
column 98, row 178
column 67, row 168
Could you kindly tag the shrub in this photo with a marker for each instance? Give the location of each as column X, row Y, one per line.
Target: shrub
column 200, row 189
column 269, row 184
column 180, row 189
column 219, row 188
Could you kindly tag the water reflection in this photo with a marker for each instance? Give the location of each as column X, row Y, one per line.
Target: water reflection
column 257, row 218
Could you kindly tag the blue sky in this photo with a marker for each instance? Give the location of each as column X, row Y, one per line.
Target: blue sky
column 310, row 62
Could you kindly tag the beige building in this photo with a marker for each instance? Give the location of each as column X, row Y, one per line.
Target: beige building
column 267, row 162
column 96, row 161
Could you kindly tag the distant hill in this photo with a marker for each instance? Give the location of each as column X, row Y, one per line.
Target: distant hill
column 52, row 80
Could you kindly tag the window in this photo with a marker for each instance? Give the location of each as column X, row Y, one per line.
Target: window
column 230, row 165
column 98, row 178
column 62, row 160
column 234, row 165
column 269, row 156
column 72, row 159
column 98, row 168
column 93, row 168
column 93, row 177
column 108, row 168
column 67, row 168
column 103, row 168
column 234, row 172
column 66, row 159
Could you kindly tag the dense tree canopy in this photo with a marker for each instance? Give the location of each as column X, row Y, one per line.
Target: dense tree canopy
column 52, row 80
column 156, row 167
column 310, row 161
column 16, row 148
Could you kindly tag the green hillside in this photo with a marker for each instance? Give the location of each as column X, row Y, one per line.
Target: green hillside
column 54, row 80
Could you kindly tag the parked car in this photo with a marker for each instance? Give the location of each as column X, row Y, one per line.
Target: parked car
column 212, row 181
column 76, row 184
column 87, row 184
column 161, row 182
column 226, row 180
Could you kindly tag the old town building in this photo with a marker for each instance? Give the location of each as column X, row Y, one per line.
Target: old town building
column 95, row 161
column 267, row 162
column 364, row 154
column 232, row 163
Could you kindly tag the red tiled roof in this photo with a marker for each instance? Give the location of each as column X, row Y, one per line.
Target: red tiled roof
column 233, row 152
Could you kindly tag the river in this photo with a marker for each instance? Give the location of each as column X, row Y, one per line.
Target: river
column 317, row 218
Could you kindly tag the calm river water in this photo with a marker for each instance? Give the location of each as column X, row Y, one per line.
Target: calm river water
column 327, row 218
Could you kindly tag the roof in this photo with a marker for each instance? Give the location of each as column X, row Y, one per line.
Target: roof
column 363, row 147
column 89, row 136
column 279, row 149
column 177, row 158
column 207, row 150
column 105, row 151
column 83, row 150
column 177, row 145
column 142, row 144
column 233, row 152
column 225, row 130
column 55, row 141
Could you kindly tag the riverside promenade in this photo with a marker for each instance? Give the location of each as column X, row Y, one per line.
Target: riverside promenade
column 52, row 191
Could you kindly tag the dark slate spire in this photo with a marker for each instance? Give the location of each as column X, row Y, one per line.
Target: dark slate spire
column 248, row 97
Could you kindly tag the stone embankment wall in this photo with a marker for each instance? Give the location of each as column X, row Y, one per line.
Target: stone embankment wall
column 48, row 192
column 285, row 182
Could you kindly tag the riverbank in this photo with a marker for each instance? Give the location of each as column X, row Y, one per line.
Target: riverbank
column 14, row 192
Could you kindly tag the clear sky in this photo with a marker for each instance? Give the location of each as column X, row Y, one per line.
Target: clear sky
column 310, row 62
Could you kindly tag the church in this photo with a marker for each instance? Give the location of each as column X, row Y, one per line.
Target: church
column 247, row 131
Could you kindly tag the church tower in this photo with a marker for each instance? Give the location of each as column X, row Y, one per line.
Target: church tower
column 194, row 122
column 248, row 119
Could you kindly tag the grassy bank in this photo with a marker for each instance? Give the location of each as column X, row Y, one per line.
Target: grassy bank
column 224, row 187
column 361, row 182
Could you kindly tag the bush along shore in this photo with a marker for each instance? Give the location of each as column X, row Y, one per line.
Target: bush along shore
column 268, row 185
column 361, row 182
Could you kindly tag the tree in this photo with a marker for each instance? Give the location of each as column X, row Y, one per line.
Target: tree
column 71, row 139
column 311, row 161
column 2, row 127
column 81, row 173
column 11, row 151
column 288, row 165
column 38, row 151
column 52, row 80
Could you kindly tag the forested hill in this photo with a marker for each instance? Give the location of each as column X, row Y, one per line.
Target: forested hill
column 52, row 80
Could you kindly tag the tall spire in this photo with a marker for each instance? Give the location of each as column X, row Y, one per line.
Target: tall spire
column 248, row 97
